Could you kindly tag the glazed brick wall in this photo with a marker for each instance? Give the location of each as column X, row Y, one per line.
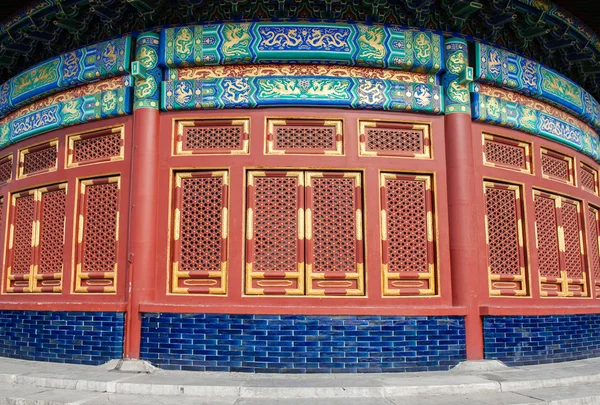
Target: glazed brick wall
column 66, row 337
column 302, row 344
column 526, row 340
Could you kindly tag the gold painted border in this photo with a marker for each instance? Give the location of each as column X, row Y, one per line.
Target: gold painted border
column 250, row 275
column 563, row 281
column 363, row 124
column 173, row 274
column 72, row 138
column 12, row 168
column 523, row 269
column 337, row 123
column 527, row 146
column 584, row 166
column 180, row 123
column 433, row 272
column 24, row 151
column 567, row 158
column 77, row 272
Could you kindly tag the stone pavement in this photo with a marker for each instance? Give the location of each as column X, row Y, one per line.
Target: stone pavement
column 36, row 383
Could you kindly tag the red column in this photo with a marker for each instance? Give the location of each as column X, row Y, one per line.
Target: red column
column 143, row 215
column 143, row 223
column 464, row 248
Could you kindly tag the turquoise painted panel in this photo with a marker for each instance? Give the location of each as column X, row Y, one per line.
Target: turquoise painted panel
column 510, row 71
column 249, row 92
column 457, row 98
column 302, row 42
column 103, row 105
column 517, row 116
column 146, row 94
column 82, row 66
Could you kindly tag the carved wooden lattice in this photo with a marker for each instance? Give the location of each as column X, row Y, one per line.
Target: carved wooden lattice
column 6, row 169
column 408, row 249
column 95, row 147
column 304, row 136
column 38, row 159
column 560, row 246
column 334, row 247
column 557, row 166
column 36, row 235
column 98, row 235
column 546, row 225
column 385, row 138
column 594, row 246
column 506, row 153
column 20, row 258
column 217, row 136
column 504, row 237
column 275, row 233
column 304, row 229
column 571, row 222
column 48, row 275
column 200, row 233
column 589, row 178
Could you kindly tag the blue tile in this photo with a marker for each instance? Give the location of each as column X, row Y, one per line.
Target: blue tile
column 302, row 344
column 524, row 340
column 74, row 337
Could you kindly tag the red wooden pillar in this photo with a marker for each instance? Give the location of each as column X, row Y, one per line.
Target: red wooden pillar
column 464, row 248
column 462, row 197
column 144, row 189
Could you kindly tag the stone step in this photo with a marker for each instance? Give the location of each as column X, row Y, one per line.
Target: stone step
column 586, row 394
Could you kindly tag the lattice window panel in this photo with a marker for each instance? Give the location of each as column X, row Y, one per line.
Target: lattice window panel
column 589, row 178
column 504, row 237
column 20, row 254
column 199, row 263
column 36, row 240
column 97, row 236
column 304, row 136
column 594, row 246
column 304, row 233
column 38, row 159
column 100, row 146
column 212, row 137
column 6, row 169
column 559, row 241
column 51, row 234
column 506, row 153
column 394, row 139
column 557, row 166
column 275, row 233
column 334, row 245
column 407, row 237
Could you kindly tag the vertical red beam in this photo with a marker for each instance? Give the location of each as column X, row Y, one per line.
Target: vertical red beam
column 462, row 196
column 142, row 224
column 464, row 247
column 143, row 219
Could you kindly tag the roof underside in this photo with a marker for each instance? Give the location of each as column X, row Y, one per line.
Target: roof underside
column 529, row 27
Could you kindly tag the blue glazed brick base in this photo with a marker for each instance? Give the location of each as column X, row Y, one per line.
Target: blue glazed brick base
column 66, row 337
column 302, row 344
column 526, row 340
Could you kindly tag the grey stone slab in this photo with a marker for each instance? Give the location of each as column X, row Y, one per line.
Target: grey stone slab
column 27, row 395
column 327, row 381
column 311, row 392
column 312, row 401
column 488, row 398
column 116, row 399
column 191, row 378
column 579, row 393
column 476, row 366
column 450, row 384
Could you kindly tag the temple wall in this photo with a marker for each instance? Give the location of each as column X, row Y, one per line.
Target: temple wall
column 281, row 202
